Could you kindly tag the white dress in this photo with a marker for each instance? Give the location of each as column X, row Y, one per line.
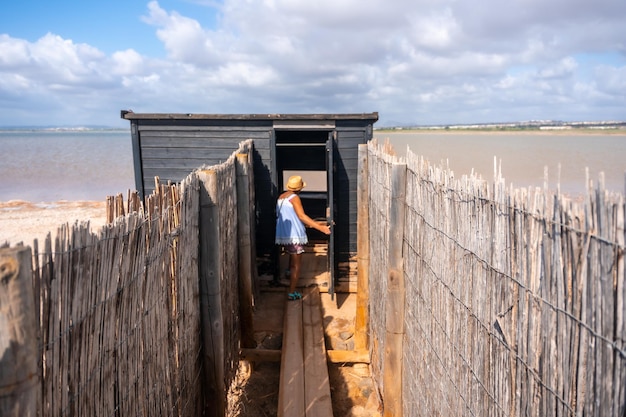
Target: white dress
column 289, row 229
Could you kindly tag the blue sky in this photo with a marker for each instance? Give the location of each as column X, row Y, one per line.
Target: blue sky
column 68, row 63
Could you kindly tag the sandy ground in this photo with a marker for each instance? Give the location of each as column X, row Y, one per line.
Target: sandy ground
column 23, row 221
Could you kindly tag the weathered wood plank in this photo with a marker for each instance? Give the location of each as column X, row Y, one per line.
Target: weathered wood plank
column 208, row 127
column 169, row 156
column 173, row 174
column 291, row 386
column 332, row 355
column 210, row 302
column 201, row 137
column 394, row 314
column 348, row 356
column 317, row 400
column 619, row 373
column 176, row 153
column 361, row 331
column 260, row 355
column 169, row 117
column 247, row 258
column 19, row 376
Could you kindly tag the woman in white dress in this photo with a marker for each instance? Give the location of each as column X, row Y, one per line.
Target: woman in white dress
column 290, row 229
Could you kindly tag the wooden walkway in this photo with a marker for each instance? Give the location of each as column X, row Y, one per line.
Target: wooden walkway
column 315, row 269
column 304, row 384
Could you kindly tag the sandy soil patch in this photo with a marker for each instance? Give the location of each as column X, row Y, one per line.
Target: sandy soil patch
column 24, row 221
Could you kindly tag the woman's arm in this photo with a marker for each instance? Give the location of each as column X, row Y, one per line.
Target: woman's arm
column 297, row 206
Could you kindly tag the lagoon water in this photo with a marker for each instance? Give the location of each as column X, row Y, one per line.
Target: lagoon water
column 522, row 157
column 53, row 165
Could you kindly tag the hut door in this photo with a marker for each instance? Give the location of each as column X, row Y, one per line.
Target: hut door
column 330, row 213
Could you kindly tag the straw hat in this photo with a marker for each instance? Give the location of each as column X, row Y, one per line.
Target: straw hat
column 295, row 183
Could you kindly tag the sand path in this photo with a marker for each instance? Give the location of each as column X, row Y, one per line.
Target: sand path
column 23, row 221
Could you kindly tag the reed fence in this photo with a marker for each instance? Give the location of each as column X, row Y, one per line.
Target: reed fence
column 493, row 301
column 141, row 318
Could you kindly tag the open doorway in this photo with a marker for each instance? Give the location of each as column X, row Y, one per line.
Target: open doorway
column 306, row 153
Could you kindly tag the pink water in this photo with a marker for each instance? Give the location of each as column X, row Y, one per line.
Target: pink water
column 523, row 156
column 50, row 166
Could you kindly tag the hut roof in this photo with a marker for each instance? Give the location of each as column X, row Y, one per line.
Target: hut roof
column 130, row 115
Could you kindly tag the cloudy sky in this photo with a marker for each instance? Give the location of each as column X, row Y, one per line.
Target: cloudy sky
column 417, row 62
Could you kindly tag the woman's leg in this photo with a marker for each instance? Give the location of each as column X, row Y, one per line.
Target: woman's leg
column 295, row 261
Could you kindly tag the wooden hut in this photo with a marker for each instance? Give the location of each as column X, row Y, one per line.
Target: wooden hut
column 323, row 148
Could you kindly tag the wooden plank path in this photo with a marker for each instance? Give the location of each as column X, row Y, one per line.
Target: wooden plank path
column 304, row 384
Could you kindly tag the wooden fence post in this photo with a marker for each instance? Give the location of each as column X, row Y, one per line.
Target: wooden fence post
column 210, row 301
column 394, row 314
column 19, row 377
column 361, row 331
column 252, row 203
column 246, row 257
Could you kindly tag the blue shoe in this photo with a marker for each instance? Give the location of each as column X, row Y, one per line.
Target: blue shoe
column 294, row 296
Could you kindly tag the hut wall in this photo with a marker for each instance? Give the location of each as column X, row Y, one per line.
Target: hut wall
column 349, row 136
column 172, row 149
column 171, row 146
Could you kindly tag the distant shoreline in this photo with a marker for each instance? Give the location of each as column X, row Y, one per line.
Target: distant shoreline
column 35, row 129
column 570, row 132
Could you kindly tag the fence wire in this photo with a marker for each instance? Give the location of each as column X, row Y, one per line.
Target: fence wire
column 514, row 298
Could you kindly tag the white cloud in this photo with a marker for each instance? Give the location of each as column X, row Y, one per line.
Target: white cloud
column 127, row 62
column 62, row 58
column 437, row 31
column 611, row 80
column 564, row 68
column 13, row 52
column 413, row 61
column 183, row 37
